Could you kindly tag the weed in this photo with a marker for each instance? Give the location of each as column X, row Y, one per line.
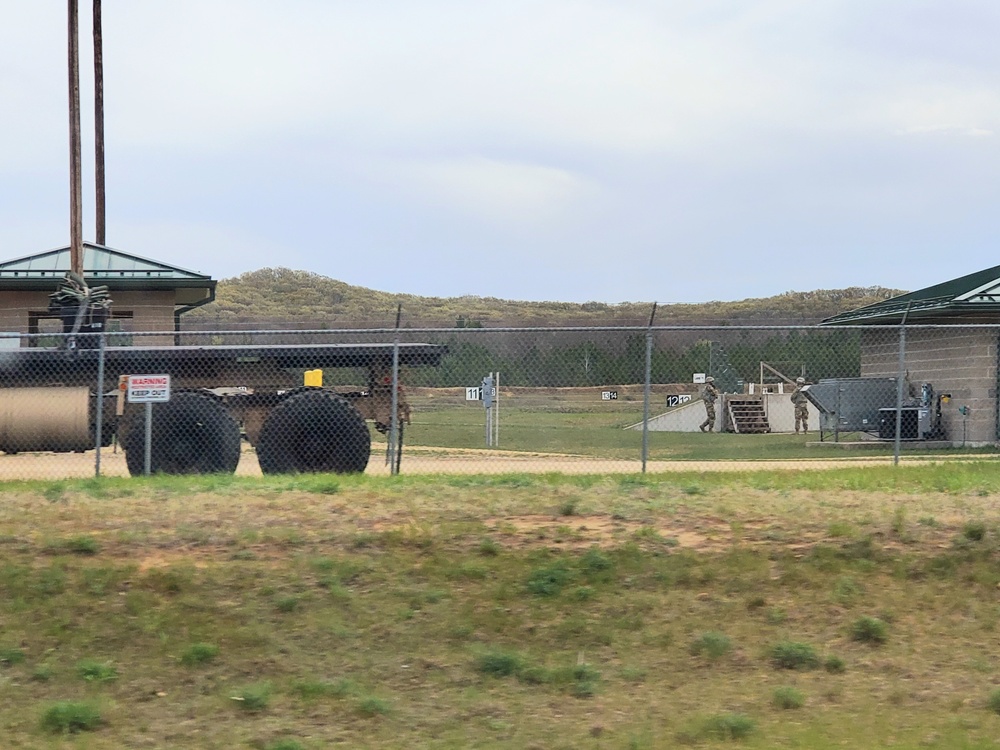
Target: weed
column 83, row 545
column 794, row 655
column 693, row 489
column 870, row 630
column 634, row 674
column 311, row 689
column 594, row 562
column 788, row 697
column 254, row 698
column 42, row 673
column 498, row 663
column 11, row 656
column 488, row 548
column 834, row 665
column 199, row 653
column 846, row 590
column 840, row 529
column 993, row 701
column 929, row 521
column 97, row 671
column 729, row 726
column 974, row 531
column 284, row 744
column 371, row 706
column 534, row 675
column 756, row 602
column 55, row 492
column 287, row 604
column 68, row 717
column 549, row 580
column 712, row 644
column 776, row 616
column 582, row 593
column 569, row 507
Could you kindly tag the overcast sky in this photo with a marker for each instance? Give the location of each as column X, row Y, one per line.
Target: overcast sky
column 619, row 150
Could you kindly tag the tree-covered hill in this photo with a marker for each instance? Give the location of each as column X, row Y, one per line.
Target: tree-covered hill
column 281, row 297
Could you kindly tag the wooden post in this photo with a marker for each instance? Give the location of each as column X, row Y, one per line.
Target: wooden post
column 75, row 158
column 100, row 209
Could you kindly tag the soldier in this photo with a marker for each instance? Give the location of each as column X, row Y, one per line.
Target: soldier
column 801, row 405
column 708, row 396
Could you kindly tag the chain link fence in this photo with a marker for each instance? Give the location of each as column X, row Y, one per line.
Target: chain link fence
column 474, row 400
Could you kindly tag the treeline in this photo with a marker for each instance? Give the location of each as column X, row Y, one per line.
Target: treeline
column 283, row 298
column 522, row 362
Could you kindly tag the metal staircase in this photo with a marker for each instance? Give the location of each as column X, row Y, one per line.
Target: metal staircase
column 747, row 415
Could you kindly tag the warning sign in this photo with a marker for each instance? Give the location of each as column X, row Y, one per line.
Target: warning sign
column 144, row 389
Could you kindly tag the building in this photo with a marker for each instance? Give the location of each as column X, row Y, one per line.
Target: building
column 146, row 295
column 951, row 342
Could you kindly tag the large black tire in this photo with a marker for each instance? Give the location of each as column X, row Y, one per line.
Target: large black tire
column 192, row 434
column 314, row 431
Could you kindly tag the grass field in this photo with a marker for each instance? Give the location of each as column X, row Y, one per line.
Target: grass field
column 773, row 609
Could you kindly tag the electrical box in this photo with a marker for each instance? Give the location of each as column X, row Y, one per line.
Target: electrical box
column 313, row 378
column 915, row 423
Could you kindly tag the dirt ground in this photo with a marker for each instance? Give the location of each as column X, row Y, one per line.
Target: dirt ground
column 433, row 461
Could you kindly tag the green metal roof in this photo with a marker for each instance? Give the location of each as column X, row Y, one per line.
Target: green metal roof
column 967, row 295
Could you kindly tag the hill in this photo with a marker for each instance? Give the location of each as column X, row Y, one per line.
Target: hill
column 281, row 297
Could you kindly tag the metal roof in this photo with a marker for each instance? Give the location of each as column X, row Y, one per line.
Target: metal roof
column 967, row 295
column 104, row 265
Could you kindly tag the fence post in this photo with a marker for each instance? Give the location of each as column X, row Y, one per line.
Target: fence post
column 646, row 390
column 99, row 417
column 393, row 438
column 900, row 373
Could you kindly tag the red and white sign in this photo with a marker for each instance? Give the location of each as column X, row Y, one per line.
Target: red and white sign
column 144, row 389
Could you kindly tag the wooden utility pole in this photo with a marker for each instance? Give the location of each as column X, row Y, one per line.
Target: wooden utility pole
column 100, row 209
column 75, row 158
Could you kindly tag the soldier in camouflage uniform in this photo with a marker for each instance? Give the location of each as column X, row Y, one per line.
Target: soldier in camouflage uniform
column 801, row 405
column 708, row 396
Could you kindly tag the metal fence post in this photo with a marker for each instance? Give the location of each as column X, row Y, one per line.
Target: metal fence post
column 99, row 417
column 646, row 390
column 900, row 373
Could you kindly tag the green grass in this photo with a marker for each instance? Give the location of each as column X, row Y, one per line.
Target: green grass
column 475, row 614
column 581, row 429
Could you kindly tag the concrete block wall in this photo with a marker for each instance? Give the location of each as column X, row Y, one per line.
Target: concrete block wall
column 956, row 360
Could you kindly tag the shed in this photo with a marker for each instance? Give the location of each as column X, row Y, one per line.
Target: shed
column 147, row 295
column 953, row 345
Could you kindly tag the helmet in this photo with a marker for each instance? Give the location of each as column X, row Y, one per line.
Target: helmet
column 709, row 379
column 800, row 380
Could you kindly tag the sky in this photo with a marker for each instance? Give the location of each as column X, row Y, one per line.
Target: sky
column 611, row 151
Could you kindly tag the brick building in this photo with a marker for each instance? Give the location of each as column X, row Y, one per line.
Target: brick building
column 952, row 335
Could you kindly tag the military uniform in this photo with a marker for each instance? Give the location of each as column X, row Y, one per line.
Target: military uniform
column 708, row 396
column 801, row 404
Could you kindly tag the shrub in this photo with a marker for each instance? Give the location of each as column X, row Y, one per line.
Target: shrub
column 548, row 580
column 97, row 671
column 794, row 655
column 974, row 531
column 498, row 663
column 69, row 718
column 834, row 665
column 254, row 698
column 83, row 545
column 729, row 726
column 372, row 706
column 712, row 644
column 870, row 630
column 788, row 697
column 993, row 702
column 199, row 653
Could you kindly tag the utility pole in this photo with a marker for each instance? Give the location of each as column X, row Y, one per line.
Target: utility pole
column 100, row 209
column 75, row 157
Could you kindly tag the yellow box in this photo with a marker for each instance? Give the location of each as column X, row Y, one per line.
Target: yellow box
column 314, row 378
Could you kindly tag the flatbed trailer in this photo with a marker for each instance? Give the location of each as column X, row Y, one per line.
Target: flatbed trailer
column 50, row 400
